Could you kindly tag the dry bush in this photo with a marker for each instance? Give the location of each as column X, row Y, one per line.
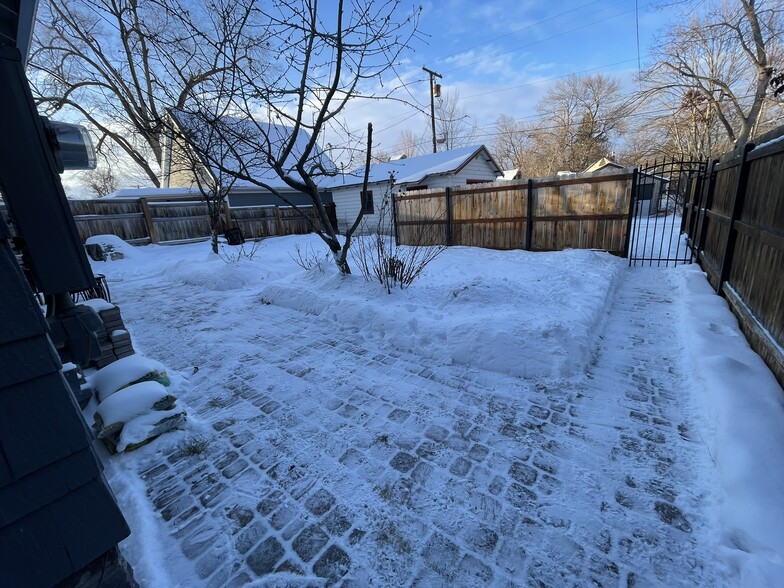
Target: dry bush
column 379, row 257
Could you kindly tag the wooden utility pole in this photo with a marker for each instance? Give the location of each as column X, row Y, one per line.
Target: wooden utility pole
column 433, row 75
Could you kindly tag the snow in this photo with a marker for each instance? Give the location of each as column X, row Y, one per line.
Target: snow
column 122, row 372
column 771, row 142
column 97, row 304
column 130, row 402
column 112, row 243
column 411, row 170
column 244, row 155
column 499, row 322
column 299, row 371
column 151, row 424
column 155, row 192
column 744, row 428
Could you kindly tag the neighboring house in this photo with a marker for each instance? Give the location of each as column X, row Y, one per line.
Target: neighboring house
column 458, row 167
column 236, row 145
column 604, row 165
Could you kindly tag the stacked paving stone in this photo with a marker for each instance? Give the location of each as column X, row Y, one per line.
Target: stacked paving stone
column 113, row 338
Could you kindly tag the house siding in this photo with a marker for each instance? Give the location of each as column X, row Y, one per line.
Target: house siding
column 348, row 203
column 347, row 199
column 56, row 512
column 476, row 169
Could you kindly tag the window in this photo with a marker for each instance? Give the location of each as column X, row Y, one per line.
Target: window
column 415, row 188
column 366, row 198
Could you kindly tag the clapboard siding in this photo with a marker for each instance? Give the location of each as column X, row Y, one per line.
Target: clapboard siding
column 348, row 202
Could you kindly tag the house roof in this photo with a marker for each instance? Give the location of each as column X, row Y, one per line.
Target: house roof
column 413, row 170
column 236, row 145
column 153, row 192
column 601, row 164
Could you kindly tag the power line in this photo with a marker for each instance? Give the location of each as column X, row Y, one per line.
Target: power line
column 562, row 126
column 508, row 88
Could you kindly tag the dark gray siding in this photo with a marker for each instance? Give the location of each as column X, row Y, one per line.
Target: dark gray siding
column 268, row 199
column 56, row 512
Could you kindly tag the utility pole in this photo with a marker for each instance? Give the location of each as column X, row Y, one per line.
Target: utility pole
column 435, row 92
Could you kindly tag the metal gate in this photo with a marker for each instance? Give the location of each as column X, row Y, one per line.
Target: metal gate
column 666, row 195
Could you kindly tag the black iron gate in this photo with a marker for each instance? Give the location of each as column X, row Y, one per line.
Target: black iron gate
column 667, row 197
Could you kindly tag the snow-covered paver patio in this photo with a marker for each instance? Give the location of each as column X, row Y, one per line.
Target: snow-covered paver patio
column 381, row 441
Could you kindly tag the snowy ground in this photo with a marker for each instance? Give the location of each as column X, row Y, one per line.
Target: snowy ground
column 512, row 419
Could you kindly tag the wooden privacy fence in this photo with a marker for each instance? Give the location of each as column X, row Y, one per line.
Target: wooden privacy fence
column 180, row 219
column 735, row 224
column 546, row 214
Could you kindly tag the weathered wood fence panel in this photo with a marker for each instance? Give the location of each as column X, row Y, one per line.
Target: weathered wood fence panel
column 588, row 211
column 141, row 221
column 739, row 238
column 489, row 215
column 103, row 217
column 178, row 221
column 421, row 217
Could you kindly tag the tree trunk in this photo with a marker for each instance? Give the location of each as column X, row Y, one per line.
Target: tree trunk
column 342, row 263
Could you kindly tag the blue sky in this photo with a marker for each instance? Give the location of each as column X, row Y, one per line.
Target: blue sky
column 501, row 56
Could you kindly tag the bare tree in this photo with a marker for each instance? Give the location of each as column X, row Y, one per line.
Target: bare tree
column 119, row 64
column 513, row 142
column 100, row 181
column 579, row 117
column 214, row 183
column 202, row 133
column 720, row 60
column 454, row 127
column 411, row 144
column 326, row 57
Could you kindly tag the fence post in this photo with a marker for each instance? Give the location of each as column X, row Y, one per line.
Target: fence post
column 148, row 220
column 630, row 218
column 697, row 193
column 448, row 196
column 227, row 212
column 529, row 215
column 279, row 221
column 737, row 208
column 701, row 231
column 394, row 219
column 332, row 215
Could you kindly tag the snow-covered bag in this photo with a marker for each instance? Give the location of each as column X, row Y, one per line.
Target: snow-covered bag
column 126, row 372
column 129, row 403
column 143, row 429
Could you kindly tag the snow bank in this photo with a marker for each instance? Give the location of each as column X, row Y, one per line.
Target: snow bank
column 128, row 370
column 744, row 430
column 113, row 243
column 514, row 312
column 215, row 274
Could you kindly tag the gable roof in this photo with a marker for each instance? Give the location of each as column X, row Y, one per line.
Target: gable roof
column 237, row 146
column 414, row 170
column 603, row 163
